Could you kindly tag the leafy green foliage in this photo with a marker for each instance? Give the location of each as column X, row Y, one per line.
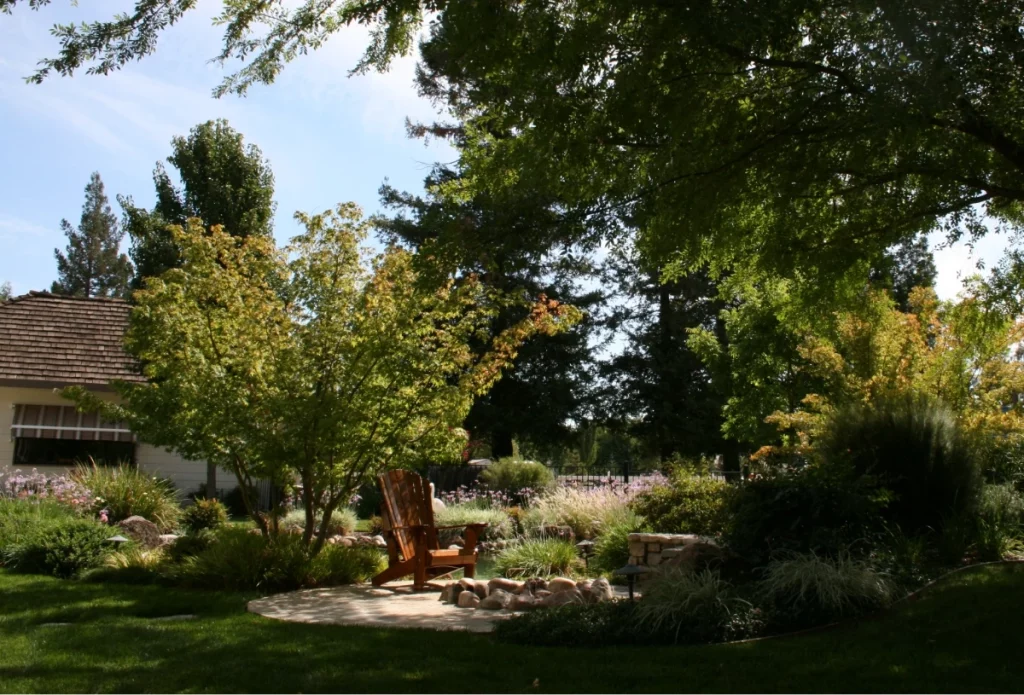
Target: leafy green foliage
column 63, row 548
column 190, row 545
column 224, row 182
column 511, row 475
column 580, row 625
column 538, row 558
column 689, row 503
column 204, row 514
column 913, row 447
column 1000, row 518
column 818, row 508
column 126, row 491
column 22, row 520
column 240, row 560
column 343, row 522
column 809, row 589
column 93, row 265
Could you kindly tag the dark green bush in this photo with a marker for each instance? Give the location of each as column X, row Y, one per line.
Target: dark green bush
column 64, row 548
column 21, row 520
column 204, row 514
column 510, row 476
column 913, row 447
column 190, row 545
column 689, row 503
column 999, row 520
column 595, row 625
column 240, row 560
column 820, row 508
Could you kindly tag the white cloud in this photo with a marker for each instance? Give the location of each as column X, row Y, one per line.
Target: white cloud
column 12, row 227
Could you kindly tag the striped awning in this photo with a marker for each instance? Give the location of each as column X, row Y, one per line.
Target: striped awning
column 65, row 422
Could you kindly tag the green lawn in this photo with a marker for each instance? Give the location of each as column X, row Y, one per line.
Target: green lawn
column 963, row 636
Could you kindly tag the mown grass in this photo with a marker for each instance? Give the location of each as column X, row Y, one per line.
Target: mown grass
column 961, row 636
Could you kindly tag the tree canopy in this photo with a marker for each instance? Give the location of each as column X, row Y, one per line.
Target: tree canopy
column 813, row 133
column 317, row 363
column 92, row 265
column 224, row 182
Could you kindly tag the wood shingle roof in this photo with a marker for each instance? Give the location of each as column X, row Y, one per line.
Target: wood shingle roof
column 50, row 340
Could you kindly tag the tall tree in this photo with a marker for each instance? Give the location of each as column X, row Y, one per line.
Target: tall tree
column 316, row 363
column 92, row 264
column 503, row 242
column 905, row 266
column 5, row 291
column 224, row 182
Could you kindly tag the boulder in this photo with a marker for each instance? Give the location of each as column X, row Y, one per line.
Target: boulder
column 562, row 598
column 523, row 602
column 531, row 586
column 704, row 553
column 142, row 531
column 496, row 600
column 454, row 546
column 379, row 541
column 509, row 585
column 167, row 539
column 559, row 584
column 467, row 599
column 600, row 590
column 478, row 588
column 541, row 593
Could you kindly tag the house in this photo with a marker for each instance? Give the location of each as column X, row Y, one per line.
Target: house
column 49, row 341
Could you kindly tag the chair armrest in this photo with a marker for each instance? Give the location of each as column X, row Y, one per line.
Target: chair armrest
column 478, row 525
column 411, row 527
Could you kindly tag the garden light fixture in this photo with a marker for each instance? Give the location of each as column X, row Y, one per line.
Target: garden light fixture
column 631, row 572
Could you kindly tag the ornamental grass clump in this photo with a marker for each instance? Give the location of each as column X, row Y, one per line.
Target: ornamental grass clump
column 123, row 491
column 499, row 523
column 587, row 511
column 696, row 605
column 343, row 522
column 538, row 558
column 811, row 589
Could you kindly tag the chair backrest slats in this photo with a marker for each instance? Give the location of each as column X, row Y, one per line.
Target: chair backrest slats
column 407, row 503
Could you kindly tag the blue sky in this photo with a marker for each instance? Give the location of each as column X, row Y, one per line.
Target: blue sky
column 329, row 138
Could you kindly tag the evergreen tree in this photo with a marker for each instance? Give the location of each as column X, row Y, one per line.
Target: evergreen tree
column 224, row 182
column 92, row 265
column 905, row 266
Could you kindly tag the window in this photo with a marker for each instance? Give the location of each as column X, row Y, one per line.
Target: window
column 58, row 435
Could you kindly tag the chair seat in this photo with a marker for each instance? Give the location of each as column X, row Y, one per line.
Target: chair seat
column 453, row 553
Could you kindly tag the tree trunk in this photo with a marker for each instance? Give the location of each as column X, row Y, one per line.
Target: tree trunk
column 730, row 447
column 501, row 444
column 211, row 481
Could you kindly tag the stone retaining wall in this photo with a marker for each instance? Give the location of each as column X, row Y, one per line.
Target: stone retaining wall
column 656, row 549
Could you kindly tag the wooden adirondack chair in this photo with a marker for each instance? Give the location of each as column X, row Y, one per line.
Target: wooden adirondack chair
column 408, row 520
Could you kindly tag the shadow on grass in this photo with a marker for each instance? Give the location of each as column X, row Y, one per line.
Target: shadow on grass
column 960, row 637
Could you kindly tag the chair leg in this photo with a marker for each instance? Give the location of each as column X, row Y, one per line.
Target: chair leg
column 419, row 581
column 469, row 571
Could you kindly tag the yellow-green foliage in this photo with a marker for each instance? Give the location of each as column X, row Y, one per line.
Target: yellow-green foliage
column 689, row 503
column 587, row 511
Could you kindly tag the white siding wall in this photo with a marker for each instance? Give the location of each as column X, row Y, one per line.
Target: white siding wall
column 187, row 475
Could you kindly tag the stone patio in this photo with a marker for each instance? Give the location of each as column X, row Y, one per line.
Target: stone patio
column 364, row 604
column 393, row 606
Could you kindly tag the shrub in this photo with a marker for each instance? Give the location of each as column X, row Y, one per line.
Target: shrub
column 538, row 558
column 343, row 522
column 808, row 589
column 499, row 524
column 820, row 508
column 692, row 606
column 21, row 520
column 191, row 545
column 126, row 491
column 64, row 548
column 576, row 625
column 204, row 514
column 611, row 550
column 1001, row 512
column 132, row 565
column 687, row 504
column 586, row 510
column 239, row 560
column 913, row 447
column 514, row 476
